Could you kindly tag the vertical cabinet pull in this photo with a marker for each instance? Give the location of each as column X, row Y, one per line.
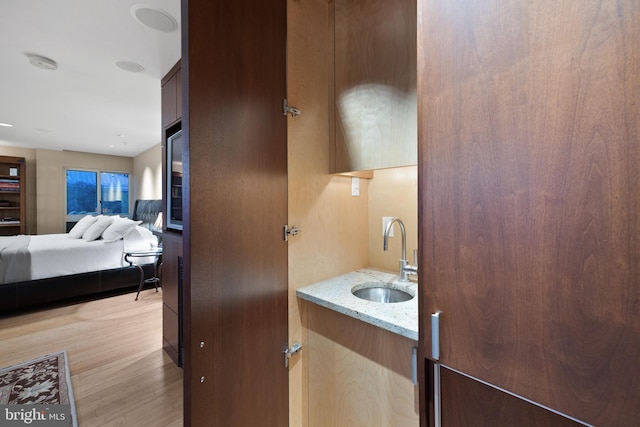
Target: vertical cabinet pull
column 435, row 336
column 435, row 355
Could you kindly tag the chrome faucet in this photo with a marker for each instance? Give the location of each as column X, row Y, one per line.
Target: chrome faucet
column 405, row 268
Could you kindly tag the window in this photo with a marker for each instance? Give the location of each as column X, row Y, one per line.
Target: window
column 92, row 192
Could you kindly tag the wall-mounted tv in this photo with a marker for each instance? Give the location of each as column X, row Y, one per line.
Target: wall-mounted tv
column 174, row 181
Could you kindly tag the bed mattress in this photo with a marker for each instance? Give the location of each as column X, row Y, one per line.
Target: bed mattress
column 53, row 255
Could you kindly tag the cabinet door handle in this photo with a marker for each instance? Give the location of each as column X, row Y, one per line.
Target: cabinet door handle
column 435, row 355
column 435, row 335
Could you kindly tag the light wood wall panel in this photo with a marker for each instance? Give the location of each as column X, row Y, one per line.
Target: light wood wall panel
column 334, row 224
column 393, row 192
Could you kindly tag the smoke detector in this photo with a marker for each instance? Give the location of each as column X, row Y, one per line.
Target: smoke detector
column 42, row 62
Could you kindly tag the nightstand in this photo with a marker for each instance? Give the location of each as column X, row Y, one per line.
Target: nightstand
column 157, row 266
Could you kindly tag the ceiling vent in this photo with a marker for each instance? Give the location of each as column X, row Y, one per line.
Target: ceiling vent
column 129, row 66
column 156, row 19
column 42, row 62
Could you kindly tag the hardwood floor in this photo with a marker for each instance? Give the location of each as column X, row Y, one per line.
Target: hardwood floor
column 120, row 374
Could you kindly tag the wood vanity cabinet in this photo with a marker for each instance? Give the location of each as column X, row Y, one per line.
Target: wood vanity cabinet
column 12, row 196
column 172, row 277
column 359, row 374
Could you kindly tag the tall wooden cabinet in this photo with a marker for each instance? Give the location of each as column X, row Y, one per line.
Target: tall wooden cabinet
column 172, row 277
column 12, row 196
column 528, row 208
column 236, row 192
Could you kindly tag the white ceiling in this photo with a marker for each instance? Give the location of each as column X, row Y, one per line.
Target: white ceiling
column 88, row 102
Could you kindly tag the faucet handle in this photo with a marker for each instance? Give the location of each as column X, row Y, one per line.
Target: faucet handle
column 415, row 257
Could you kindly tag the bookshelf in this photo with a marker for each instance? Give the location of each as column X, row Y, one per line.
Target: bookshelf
column 12, row 196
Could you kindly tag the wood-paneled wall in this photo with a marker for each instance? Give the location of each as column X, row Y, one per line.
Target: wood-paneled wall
column 334, row 224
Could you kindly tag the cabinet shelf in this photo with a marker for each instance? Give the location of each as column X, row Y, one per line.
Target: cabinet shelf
column 12, row 194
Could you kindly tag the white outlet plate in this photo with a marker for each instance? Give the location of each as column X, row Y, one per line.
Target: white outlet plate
column 385, row 220
column 355, row 186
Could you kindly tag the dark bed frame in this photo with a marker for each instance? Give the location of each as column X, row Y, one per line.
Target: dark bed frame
column 36, row 293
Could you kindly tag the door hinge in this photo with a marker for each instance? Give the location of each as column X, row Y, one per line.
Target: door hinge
column 293, row 231
column 288, row 352
column 287, row 109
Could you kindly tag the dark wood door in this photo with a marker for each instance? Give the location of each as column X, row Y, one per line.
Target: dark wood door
column 236, row 258
column 530, row 198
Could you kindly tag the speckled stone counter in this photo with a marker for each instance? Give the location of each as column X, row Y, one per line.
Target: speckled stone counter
column 335, row 294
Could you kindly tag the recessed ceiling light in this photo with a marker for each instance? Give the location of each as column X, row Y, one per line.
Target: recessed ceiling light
column 7, row 125
column 42, row 62
column 154, row 18
column 129, row 66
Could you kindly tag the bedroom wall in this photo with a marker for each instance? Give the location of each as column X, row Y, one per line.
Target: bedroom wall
column 50, row 182
column 45, row 180
column 147, row 172
column 29, row 155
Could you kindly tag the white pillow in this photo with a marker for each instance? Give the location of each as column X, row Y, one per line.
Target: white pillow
column 96, row 229
column 139, row 239
column 81, row 226
column 119, row 228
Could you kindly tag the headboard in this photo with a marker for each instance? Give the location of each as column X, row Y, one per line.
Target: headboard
column 147, row 211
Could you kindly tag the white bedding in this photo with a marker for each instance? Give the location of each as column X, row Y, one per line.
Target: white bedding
column 55, row 255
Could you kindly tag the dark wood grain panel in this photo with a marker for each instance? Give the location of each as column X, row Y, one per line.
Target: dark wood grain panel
column 169, row 96
column 172, row 250
column 530, row 228
column 484, row 406
column 235, row 255
column 171, row 333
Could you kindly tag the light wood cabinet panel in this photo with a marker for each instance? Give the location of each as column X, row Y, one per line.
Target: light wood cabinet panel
column 375, row 84
column 359, row 375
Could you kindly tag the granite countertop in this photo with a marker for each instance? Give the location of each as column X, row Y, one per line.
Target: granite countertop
column 335, row 294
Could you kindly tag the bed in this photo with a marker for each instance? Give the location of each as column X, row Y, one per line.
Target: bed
column 89, row 260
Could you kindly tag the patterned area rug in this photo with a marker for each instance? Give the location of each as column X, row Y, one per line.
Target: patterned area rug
column 41, row 381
